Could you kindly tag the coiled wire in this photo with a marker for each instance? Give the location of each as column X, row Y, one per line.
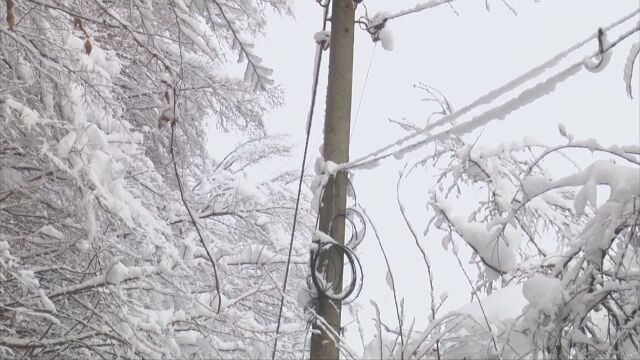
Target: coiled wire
column 354, row 287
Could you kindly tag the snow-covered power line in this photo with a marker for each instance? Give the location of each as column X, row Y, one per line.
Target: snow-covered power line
column 379, row 154
column 417, row 8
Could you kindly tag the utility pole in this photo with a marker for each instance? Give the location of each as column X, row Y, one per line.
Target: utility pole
column 336, row 149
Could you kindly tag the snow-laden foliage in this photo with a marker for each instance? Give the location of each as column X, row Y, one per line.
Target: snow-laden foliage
column 556, row 248
column 99, row 256
column 576, row 255
column 559, row 265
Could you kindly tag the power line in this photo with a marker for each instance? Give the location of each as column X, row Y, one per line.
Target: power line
column 417, row 8
column 483, row 100
column 366, row 80
column 320, row 46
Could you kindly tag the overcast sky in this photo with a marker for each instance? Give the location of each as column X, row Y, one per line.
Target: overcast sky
column 464, row 56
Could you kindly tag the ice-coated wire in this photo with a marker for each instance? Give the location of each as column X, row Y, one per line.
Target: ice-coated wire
column 483, row 100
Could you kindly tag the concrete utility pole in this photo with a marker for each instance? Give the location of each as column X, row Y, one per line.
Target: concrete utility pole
column 336, row 149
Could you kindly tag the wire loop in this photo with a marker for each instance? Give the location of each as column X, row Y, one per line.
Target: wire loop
column 348, row 251
column 324, row 289
column 364, row 23
column 601, row 48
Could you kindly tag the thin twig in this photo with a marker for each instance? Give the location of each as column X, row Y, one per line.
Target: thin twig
column 424, row 256
column 475, row 293
column 393, row 284
column 193, row 218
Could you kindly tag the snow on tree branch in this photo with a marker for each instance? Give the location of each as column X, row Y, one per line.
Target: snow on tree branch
column 98, row 257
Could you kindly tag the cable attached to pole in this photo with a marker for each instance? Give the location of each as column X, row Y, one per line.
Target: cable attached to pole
column 320, row 47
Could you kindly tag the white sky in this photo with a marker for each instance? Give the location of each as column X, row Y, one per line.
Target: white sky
column 464, row 57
